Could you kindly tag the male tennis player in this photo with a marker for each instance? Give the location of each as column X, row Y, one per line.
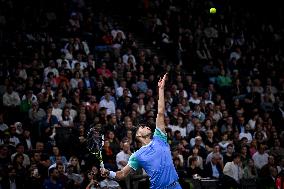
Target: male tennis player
column 154, row 156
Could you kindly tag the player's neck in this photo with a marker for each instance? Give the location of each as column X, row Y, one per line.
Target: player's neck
column 146, row 141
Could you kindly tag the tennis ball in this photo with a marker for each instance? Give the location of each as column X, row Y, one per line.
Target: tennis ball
column 212, row 10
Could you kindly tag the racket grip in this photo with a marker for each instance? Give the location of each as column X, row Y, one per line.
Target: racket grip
column 102, row 165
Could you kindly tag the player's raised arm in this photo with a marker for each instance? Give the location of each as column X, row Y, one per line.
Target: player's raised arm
column 160, row 122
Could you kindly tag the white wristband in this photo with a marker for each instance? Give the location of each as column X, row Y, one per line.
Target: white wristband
column 112, row 175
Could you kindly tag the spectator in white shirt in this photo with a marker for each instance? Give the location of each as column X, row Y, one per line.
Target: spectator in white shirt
column 246, row 134
column 194, row 99
column 56, row 111
column 260, row 158
column 121, row 160
column 11, row 98
column 20, row 150
column 107, row 103
column 119, row 90
column 123, row 156
column 233, row 172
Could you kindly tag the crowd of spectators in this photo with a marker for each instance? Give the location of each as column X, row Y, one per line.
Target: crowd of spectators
column 67, row 68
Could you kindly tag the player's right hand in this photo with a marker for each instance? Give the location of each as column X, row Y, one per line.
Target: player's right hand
column 104, row 172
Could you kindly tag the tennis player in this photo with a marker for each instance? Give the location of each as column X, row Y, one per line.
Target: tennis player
column 154, row 156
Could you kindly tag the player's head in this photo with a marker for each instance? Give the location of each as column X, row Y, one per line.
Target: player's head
column 143, row 133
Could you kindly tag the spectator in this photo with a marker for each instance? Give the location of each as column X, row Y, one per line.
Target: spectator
column 250, row 171
column 121, row 160
column 228, row 155
column 213, row 169
column 199, row 160
column 233, row 173
column 260, row 157
column 53, row 180
column 20, row 149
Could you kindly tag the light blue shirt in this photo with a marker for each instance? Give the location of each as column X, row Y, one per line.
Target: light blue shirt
column 156, row 159
column 215, row 171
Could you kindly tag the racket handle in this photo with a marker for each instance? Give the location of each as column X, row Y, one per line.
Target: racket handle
column 102, row 165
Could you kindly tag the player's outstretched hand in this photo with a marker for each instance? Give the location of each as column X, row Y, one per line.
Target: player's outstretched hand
column 161, row 83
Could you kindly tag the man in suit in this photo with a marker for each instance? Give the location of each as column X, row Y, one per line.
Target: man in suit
column 213, row 169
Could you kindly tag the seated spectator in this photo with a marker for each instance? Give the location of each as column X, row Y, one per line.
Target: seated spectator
column 75, row 179
column 265, row 170
column 109, row 184
column 224, row 142
column 216, row 150
column 246, row 133
column 193, row 167
column 20, row 149
column 233, row 173
column 52, row 181
column 199, row 160
column 250, row 171
column 62, row 174
column 65, row 119
column 201, row 149
column 20, row 170
column 210, row 140
column 228, row 155
column 76, row 164
column 260, row 158
column 55, row 154
column 245, row 156
column 213, row 169
column 108, row 156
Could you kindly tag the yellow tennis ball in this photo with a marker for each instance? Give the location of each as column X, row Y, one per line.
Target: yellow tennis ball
column 212, row 10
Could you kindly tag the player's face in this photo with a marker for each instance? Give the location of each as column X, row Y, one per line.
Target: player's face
column 142, row 132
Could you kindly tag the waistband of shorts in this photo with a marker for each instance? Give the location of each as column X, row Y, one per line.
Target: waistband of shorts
column 171, row 185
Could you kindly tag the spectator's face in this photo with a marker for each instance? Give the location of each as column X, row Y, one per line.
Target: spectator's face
column 126, row 147
column 4, row 151
column 244, row 150
column 74, row 161
column 198, row 142
column 20, row 149
column 55, row 151
column 54, row 174
column 271, row 160
column 37, row 157
column 20, row 159
column 195, row 151
column 230, row 149
column 216, row 149
column 111, row 135
column 215, row 160
column 60, row 169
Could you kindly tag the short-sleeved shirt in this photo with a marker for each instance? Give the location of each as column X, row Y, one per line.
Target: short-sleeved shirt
column 156, row 159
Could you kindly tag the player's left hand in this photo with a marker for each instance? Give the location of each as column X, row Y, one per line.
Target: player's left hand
column 161, row 83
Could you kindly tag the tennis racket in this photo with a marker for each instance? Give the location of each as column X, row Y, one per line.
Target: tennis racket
column 95, row 142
